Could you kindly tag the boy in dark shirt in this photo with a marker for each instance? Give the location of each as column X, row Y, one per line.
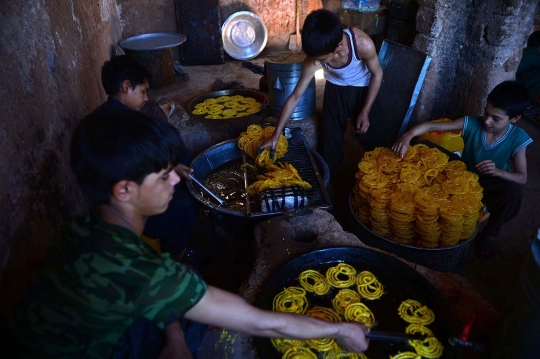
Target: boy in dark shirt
column 126, row 81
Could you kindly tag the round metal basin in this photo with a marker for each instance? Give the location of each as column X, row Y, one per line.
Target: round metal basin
column 218, row 155
column 442, row 259
column 400, row 282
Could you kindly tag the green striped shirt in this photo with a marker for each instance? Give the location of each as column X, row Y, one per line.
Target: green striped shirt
column 101, row 278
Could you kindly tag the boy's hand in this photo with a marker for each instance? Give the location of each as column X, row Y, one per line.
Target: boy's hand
column 487, row 167
column 183, row 171
column 362, row 123
column 270, row 142
column 353, row 337
column 401, row 146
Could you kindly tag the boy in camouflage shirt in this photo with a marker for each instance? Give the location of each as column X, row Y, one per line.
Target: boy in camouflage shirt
column 103, row 277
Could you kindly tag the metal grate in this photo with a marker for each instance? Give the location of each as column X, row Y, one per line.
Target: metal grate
column 302, row 159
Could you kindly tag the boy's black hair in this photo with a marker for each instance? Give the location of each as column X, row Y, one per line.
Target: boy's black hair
column 122, row 68
column 115, row 144
column 322, row 33
column 510, row 96
column 534, row 40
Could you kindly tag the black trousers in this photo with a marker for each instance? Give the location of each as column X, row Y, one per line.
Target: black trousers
column 340, row 104
column 144, row 340
column 503, row 201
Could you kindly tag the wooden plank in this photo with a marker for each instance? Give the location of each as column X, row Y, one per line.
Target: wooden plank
column 200, row 21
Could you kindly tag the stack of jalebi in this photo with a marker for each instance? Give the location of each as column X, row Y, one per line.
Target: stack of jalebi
column 401, row 211
column 420, row 198
column 250, row 140
column 281, row 175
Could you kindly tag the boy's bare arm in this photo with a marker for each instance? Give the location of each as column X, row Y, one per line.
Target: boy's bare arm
column 519, row 175
column 308, row 71
column 368, row 53
column 230, row 311
column 402, row 144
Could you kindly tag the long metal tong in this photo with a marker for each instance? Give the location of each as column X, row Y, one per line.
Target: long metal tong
column 216, row 197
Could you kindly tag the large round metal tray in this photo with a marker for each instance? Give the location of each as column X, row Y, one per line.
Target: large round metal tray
column 154, row 41
column 244, row 35
column 443, row 259
column 259, row 96
column 400, row 282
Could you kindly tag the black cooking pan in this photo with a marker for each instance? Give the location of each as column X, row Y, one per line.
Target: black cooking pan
column 400, row 283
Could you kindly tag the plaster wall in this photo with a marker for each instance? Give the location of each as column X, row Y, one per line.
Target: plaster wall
column 475, row 45
column 51, row 53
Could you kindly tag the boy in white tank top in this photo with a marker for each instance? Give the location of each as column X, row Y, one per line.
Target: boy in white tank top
column 353, row 73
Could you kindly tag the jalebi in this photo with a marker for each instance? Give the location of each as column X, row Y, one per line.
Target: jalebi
column 282, row 344
column 343, row 299
column 291, row 300
column 359, row 312
column 225, row 107
column 276, row 176
column 250, row 140
column 313, row 281
column 334, row 275
column 412, row 311
column 411, row 200
column 299, row 353
column 368, row 286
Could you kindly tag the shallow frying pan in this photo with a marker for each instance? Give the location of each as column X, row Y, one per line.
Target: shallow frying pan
column 400, row 282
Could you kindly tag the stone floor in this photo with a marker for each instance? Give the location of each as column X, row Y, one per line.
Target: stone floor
column 493, row 280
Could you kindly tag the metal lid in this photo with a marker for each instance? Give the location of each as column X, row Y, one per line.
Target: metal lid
column 244, row 35
column 155, row 41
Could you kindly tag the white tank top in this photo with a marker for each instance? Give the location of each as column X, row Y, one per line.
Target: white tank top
column 354, row 72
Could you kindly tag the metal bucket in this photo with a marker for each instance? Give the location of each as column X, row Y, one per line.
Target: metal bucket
column 283, row 72
column 155, row 52
column 442, row 259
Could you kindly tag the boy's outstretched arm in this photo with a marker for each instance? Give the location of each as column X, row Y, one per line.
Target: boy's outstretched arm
column 366, row 50
column 227, row 310
column 402, row 143
column 520, row 168
column 308, row 71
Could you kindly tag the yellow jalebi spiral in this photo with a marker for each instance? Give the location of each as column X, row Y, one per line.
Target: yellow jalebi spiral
column 282, row 344
column 334, row 274
column 338, row 353
column 313, row 281
column 299, row 353
column 412, row 311
column 418, row 328
column 406, row 355
column 358, row 312
column 368, row 286
column 277, row 176
column 291, row 300
column 343, row 299
column 252, row 138
column 225, row 107
column 323, row 344
column 428, row 348
column 323, row 313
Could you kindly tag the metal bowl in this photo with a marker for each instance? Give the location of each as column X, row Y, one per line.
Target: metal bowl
column 155, row 41
column 244, row 35
column 442, row 259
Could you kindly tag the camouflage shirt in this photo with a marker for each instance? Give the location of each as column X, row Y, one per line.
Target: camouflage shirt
column 102, row 277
